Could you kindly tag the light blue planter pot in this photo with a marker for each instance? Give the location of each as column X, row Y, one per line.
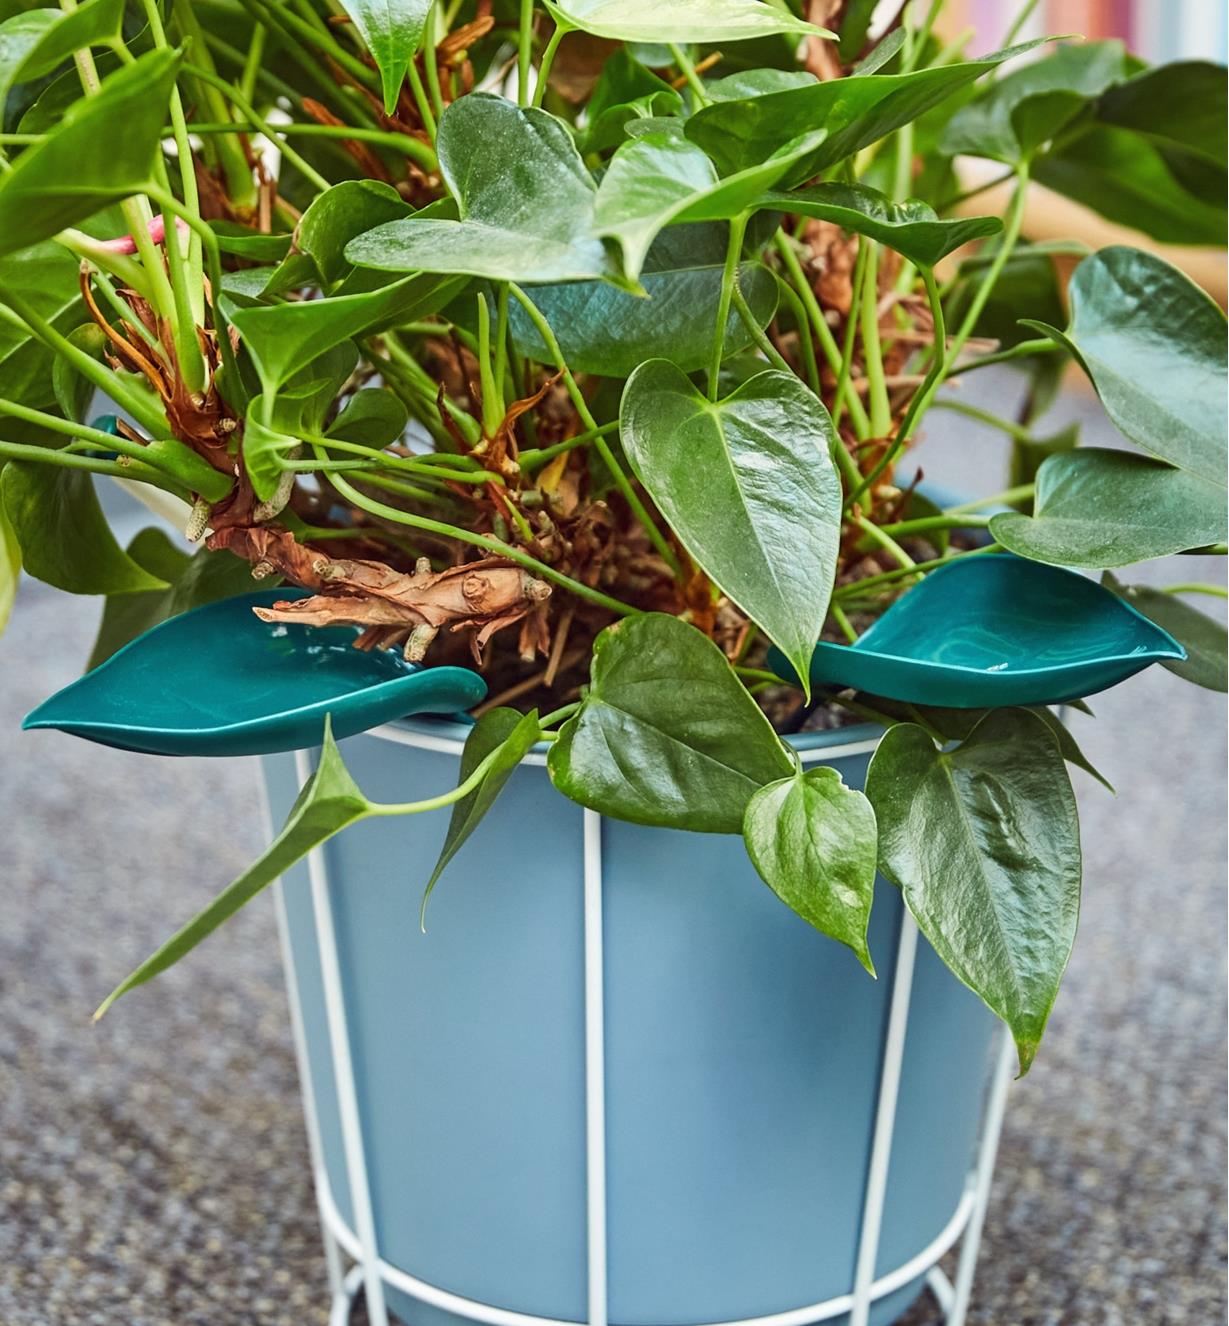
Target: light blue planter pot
column 742, row 1063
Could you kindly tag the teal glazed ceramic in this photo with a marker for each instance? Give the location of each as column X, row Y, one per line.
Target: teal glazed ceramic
column 995, row 630
column 218, row 681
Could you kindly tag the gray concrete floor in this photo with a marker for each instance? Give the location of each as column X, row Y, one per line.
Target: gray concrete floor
column 153, row 1168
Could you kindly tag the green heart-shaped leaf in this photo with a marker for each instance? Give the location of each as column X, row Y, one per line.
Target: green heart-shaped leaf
column 667, row 734
column 1126, row 178
column 284, row 338
column 374, row 417
column 679, row 20
column 525, row 196
column 1097, row 508
column 660, row 178
column 1205, row 641
column 749, row 487
column 607, row 331
column 64, row 537
column 1028, row 107
column 48, row 278
column 813, row 841
column 912, row 228
column 1153, row 344
column 625, row 90
column 984, row 843
column 34, row 42
column 856, row 112
column 511, row 734
column 328, row 802
column 69, row 175
column 392, row 30
column 336, row 217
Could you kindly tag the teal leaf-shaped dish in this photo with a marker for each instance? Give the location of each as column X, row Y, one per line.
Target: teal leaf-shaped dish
column 993, row 630
column 218, row 681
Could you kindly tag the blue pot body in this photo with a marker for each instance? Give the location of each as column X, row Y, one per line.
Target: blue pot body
column 743, row 1053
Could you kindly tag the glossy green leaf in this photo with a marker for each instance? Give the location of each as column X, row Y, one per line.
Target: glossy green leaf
column 856, row 112
column 661, row 178
column 93, row 23
column 20, row 34
column 1024, row 110
column 511, row 734
column 74, row 392
column 1178, row 105
column 749, row 487
column 667, row 734
column 66, row 177
column 329, row 801
column 525, row 197
column 284, row 338
column 203, row 577
column 393, row 31
column 374, row 417
column 265, row 447
column 911, row 228
column 244, row 242
column 336, row 217
column 1097, row 508
column 1125, row 178
column 984, row 843
column 47, row 277
column 1204, row 639
column 1153, row 344
column 607, row 331
column 10, row 564
column 813, row 841
column 679, row 20
column 757, row 83
column 64, row 536
column 625, row 91
column 957, row 724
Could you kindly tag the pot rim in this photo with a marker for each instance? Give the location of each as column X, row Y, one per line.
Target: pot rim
column 447, row 735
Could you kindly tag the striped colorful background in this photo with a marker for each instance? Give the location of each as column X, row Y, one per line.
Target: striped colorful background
column 1158, row 30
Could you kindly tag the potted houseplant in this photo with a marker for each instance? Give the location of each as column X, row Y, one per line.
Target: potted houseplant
column 563, row 364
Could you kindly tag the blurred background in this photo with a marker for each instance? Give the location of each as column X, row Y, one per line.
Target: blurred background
column 154, row 1169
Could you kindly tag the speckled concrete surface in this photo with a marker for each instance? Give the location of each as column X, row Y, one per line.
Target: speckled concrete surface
column 153, row 1169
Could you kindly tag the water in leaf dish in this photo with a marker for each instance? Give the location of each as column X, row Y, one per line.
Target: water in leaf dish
column 992, row 630
column 218, row 681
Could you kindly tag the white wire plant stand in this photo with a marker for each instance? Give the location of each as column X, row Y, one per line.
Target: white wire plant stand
column 352, row 1254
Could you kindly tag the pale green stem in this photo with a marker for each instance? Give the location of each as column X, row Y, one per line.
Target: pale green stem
column 921, row 395
column 535, row 458
column 421, row 100
column 119, row 265
column 71, row 461
column 492, row 402
column 1021, row 493
column 150, row 418
column 251, row 66
column 622, row 482
column 1012, row 430
column 729, row 276
column 524, row 52
column 688, row 70
column 757, row 334
column 271, row 132
column 872, row 351
column 548, row 58
column 458, row 793
column 1198, row 587
column 430, row 41
column 858, row 587
column 884, row 540
column 838, row 616
column 921, row 524
column 843, row 377
column 823, row 332
column 806, row 344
